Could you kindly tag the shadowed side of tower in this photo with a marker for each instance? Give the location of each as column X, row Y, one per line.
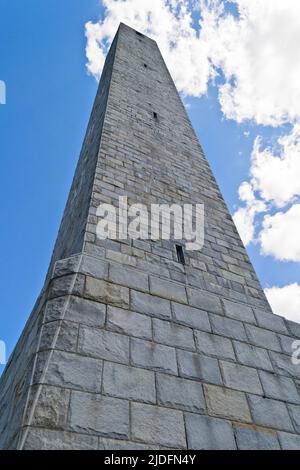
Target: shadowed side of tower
column 127, row 347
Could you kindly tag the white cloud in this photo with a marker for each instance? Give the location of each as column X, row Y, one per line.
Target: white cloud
column 170, row 24
column 275, row 174
column 280, row 235
column 285, row 301
column 244, row 217
column 257, row 51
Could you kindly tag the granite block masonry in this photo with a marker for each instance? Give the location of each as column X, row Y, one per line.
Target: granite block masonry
column 128, row 347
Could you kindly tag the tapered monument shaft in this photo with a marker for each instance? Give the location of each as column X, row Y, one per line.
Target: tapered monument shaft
column 142, row 343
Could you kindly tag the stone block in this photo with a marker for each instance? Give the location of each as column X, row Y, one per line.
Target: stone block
column 241, row 378
column 106, row 292
column 153, row 356
column 263, row 338
column 118, row 444
column 59, row 335
column 66, row 266
column 97, row 414
column 289, row 441
column 239, row 312
column 150, row 305
column 270, row 413
column 168, row 290
column 214, row 345
column 70, row 284
column 204, row 301
column 226, row 327
column 128, row 277
column 74, row 371
column 172, row 334
column 283, row 365
column 46, row 439
column 129, row 323
column 197, row 366
column 251, row 439
column 206, row 433
column 293, row 328
column 103, row 344
column 252, row 356
column 279, row 387
column 227, row 403
column 192, row 317
column 94, row 267
column 270, row 321
column 156, row 425
column 49, row 407
column 85, row 311
column 295, row 415
column 286, row 343
column 180, row 393
column 129, row 382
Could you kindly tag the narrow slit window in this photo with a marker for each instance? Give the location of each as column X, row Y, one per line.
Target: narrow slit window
column 180, row 254
column 139, row 34
column 146, row 66
column 155, row 115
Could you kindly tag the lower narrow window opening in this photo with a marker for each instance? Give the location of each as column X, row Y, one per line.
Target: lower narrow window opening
column 180, row 254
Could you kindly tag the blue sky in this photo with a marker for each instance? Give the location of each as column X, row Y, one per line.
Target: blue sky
column 42, row 125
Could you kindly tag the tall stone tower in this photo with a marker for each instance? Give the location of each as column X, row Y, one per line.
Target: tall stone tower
column 129, row 345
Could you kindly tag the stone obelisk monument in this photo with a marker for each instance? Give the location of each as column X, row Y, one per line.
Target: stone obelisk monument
column 141, row 343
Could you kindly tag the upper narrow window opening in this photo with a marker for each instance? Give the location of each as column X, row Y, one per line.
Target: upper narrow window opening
column 155, row 115
column 180, row 254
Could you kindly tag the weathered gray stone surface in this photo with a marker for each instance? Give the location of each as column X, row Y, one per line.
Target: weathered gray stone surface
column 180, row 393
column 197, row 366
column 100, row 415
column 279, row 387
column 150, row 305
column 192, row 317
column 252, row 356
column 74, row 371
column 153, row 356
column 205, row 433
column 295, row 415
column 251, row 439
column 227, row 403
column 239, row 312
column 270, row 413
column 129, row 323
column 289, row 441
column 172, row 334
column 126, row 347
column 241, row 378
column 103, row 344
column 214, row 345
column 156, row 425
column 129, row 382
